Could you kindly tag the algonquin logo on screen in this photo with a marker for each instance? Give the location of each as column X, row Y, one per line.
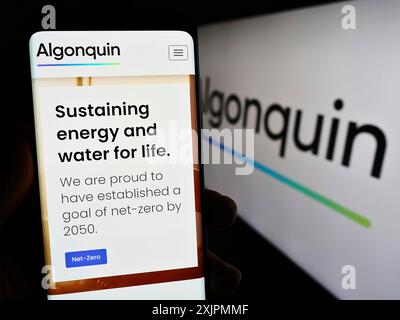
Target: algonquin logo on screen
column 60, row 52
column 249, row 113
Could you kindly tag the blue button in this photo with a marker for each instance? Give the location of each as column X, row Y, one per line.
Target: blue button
column 85, row 258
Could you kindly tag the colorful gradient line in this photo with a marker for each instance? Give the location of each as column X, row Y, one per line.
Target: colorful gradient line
column 78, row 64
column 348, row 213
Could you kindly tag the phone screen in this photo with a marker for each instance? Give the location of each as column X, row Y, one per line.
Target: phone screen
column 117, row 150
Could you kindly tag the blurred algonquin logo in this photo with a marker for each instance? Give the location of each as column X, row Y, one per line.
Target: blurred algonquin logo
column 218, row 106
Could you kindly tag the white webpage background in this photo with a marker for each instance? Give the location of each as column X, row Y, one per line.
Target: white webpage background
column 138, row 243
column 305, row 60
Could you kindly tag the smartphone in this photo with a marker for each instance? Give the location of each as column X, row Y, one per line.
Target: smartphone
column 117, row 146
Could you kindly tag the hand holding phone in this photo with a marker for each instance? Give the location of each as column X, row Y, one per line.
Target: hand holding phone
column 116, row 132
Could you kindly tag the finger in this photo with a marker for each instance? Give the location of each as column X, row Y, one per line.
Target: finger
column 223, row 278
column 220, row 210
column 17, row 169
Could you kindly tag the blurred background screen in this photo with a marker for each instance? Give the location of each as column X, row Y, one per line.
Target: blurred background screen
column 319, row 87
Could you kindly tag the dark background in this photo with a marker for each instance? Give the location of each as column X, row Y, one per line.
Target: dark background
column 266, row 273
